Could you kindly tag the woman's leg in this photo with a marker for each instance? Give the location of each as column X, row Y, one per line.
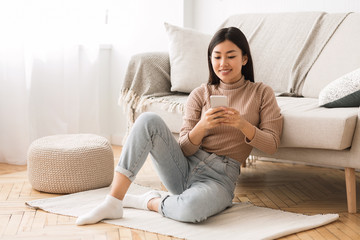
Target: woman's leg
column 196, row 204
column 119, row 186
column 210, row 189
column 149, row 134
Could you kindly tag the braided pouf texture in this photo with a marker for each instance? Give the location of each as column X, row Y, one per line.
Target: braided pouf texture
column 70, row 163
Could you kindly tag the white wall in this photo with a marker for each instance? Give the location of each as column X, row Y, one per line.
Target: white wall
column 209, row 14
column 136, row 26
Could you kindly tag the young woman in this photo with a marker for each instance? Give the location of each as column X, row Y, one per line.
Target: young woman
column 201, row 169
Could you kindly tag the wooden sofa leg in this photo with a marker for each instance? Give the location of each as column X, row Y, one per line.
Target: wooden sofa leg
column 350, row 189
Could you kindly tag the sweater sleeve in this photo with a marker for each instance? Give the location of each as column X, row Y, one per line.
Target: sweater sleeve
column 191, row 117
column 268, row 133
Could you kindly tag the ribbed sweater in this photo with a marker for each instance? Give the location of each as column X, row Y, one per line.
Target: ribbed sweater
column 255, row 102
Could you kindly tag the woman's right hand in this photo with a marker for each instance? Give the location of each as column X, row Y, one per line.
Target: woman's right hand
column 212, row 118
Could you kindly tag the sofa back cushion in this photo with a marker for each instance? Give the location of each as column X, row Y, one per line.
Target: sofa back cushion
column 341, row 55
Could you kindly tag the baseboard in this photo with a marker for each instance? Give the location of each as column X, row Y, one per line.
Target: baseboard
column 117, row 139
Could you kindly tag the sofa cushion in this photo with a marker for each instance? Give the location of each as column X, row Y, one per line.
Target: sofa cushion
column 306, row 125
column 188, row 58
column 338, row 57
column 343, row 92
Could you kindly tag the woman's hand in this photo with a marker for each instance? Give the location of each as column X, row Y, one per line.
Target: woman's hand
column 233, row 118
column 212, row 118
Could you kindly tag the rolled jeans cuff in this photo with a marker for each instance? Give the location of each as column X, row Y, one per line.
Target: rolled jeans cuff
column 126, row 172
column 160, row 209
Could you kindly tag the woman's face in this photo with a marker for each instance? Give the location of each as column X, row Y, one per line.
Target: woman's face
column 227, row 61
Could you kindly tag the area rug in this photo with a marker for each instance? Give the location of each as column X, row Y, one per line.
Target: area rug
column 241, row 221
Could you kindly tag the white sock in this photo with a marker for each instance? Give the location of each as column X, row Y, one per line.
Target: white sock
column 110, row 208
column 140, row 201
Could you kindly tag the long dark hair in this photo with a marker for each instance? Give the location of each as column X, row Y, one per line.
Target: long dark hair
column 236, row 36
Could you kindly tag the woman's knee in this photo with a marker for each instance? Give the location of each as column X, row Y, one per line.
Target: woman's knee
column 190, row 213
column 148, row 122
column 186, row 211
column 197, row 204
column 149, row 119
column 148, row 116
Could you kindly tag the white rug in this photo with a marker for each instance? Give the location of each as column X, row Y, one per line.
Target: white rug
column 242, row 221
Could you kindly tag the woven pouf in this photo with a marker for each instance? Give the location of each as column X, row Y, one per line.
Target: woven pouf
column 70, row 163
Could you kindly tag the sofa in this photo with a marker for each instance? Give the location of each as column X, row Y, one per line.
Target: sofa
column 310, row 59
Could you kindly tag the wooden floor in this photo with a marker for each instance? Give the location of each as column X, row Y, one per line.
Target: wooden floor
column 294, row 188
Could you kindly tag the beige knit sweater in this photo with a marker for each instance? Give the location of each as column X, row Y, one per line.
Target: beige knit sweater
column 256, row 103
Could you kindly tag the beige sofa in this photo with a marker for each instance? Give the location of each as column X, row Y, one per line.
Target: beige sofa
column 286, row 49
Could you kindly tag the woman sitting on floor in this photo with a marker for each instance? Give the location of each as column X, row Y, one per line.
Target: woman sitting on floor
column 202, row 168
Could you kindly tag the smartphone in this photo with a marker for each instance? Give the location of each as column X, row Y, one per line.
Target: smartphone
column 218, row 101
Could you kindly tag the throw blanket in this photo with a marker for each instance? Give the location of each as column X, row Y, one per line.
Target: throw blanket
column 284, row 47
column 147, row 80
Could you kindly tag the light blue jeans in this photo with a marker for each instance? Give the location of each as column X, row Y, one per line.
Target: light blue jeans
column 203, row 184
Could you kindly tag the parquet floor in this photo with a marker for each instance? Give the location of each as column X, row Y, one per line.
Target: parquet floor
column 295, row 188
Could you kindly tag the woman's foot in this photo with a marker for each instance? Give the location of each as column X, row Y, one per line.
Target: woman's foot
column 140, row 201
column 110, row 208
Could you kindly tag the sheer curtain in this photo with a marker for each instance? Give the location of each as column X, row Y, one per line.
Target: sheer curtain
column 53, row 75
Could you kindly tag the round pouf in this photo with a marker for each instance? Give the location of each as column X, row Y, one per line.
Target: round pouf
column 70, row 163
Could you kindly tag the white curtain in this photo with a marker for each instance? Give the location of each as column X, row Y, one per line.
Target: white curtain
column 53, row 75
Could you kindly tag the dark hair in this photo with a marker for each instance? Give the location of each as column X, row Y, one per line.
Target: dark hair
column 234, row 35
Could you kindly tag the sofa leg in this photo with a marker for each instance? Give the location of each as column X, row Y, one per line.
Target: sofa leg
column 350, row 189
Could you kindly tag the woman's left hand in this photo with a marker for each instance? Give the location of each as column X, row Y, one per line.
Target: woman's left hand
column 232, row 118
